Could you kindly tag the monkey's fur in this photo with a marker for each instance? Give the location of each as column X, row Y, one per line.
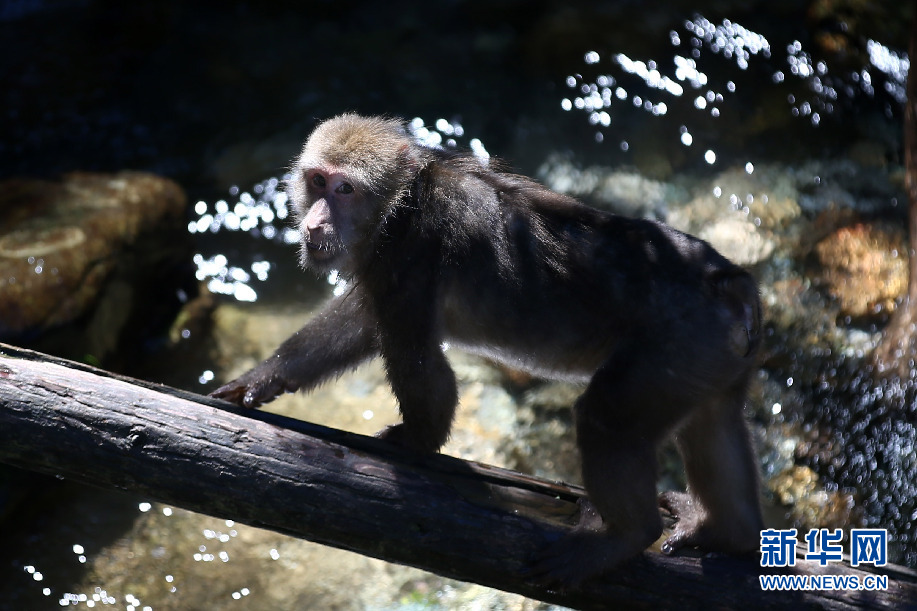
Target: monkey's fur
column 441, row 247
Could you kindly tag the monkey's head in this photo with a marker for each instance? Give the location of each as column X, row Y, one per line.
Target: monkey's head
column 351, row 173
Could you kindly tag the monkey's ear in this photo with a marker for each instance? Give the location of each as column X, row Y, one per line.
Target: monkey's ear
column 409, row 158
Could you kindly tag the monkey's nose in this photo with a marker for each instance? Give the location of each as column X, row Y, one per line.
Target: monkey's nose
column 318, row 236
column 315, row 233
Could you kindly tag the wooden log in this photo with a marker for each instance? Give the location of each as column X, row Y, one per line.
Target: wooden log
column 455, row 518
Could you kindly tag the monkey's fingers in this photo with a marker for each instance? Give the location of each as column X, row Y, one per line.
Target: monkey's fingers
column 250, row 394
column 232, row 392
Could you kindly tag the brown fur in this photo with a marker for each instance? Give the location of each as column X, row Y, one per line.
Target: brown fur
column 662, row 329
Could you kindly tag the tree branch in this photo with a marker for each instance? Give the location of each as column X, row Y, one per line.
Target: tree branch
column 459, row 519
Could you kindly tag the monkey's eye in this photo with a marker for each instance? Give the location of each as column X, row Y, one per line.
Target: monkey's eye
column 345, row 188
column 318, row 180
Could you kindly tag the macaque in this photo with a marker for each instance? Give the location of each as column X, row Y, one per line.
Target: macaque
column 442, row 247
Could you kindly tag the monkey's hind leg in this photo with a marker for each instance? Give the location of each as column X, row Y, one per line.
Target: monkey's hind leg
column 721, row 510
column 618, row 422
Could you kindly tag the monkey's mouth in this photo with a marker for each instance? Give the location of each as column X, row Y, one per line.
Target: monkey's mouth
column 322, row 252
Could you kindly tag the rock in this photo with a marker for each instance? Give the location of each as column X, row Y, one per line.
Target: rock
column 847, row 184
column 621, row 190
column 738, row 240
column 62, row 241
column 868, row 153
column 741, row 213
column 811, row 505
column 864, row 267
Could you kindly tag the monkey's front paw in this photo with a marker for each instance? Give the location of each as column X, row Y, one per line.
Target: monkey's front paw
column 393, row 433
column 397, row 434
column 250, row 393
column 232, row 392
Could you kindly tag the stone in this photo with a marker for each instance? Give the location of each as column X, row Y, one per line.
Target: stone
column 865, row 268
column 61, row 240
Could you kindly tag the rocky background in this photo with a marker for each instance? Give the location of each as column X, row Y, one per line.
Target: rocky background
column 143, row 228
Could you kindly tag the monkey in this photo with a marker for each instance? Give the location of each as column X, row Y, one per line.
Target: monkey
column 439, row 246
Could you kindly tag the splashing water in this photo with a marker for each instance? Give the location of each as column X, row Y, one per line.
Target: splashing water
column 686, row 84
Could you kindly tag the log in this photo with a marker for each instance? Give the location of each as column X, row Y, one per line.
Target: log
column 456, row 518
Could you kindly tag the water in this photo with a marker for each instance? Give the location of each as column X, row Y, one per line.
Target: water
column 755, row 129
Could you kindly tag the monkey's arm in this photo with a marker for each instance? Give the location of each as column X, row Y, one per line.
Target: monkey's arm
column 410, row 342
column 425, row 386
column 339, row 337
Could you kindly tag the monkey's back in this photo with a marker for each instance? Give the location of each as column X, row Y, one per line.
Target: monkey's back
column 542, row 282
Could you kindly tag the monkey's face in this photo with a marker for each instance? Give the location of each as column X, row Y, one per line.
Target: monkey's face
column 351, row 172
column 333, row 214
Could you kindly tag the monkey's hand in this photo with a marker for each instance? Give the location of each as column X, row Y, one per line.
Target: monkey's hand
column 254, row 388
column 398, row 435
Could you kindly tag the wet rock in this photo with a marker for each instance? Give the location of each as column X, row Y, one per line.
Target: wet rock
column 764, row 195
column 746, row 213
column 811, row 505
column 868, row 153
column 738, row 240
column 620, row 190
column 741, row 212
column 845, row 183
column 84, row 244
column 865, row 268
